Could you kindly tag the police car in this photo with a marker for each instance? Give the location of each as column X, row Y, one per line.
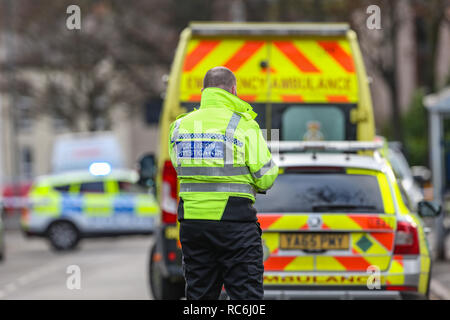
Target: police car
column 100, row 201
column 335, row 226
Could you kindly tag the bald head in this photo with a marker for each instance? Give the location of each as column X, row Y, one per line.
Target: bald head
column 220, row 77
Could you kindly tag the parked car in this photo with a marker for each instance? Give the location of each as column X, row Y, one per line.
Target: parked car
column 69, row 206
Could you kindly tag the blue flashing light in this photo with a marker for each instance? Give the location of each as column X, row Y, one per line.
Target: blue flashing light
column 100, row 168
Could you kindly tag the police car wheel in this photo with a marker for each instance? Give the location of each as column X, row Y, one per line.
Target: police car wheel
column 161, row 287
column 63, row 235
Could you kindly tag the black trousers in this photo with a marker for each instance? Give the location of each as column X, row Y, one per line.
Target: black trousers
column 217, row 253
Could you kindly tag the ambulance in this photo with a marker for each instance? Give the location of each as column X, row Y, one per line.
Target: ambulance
column 305, row 82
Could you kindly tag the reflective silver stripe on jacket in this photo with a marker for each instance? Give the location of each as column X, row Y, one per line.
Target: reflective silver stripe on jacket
column 228, row 169
column 229, row 134
column 212, row 136
column 212, row 171
column 265, row 168
column 217, row 187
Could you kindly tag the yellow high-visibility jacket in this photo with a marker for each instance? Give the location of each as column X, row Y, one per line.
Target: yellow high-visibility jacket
column 221, row 158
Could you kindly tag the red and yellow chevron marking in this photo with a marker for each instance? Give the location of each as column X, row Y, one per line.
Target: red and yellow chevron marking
column 325, row 263
column 351, row 263
column 292, row 263
column 295, row 55
column 338, row 99
column 342, row 57
column 335, row 222
column 301, row 70
column 376, row 247
column 198, row 54
column 291, row 98
column 376, row 230
column 384, row 239
column 244, row 53
column 396, row 272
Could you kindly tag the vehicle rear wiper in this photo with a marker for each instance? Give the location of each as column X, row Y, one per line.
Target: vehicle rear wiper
column 340, row 207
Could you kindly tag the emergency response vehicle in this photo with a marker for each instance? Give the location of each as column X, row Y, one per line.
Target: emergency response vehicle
column 405, row 176
column 335, row 226
column 100, row 201
column 305, row 82
column 407, row 181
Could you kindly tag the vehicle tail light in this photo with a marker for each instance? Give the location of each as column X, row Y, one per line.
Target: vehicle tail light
column 406, row 239
column 172, row 256
column 169, row 203
column 401, row 288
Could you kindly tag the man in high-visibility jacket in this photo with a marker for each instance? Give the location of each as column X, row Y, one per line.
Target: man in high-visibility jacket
column 222, row 160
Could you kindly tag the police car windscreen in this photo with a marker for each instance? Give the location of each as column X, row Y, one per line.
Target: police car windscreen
column 337, row 192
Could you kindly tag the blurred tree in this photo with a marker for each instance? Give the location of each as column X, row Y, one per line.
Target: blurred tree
column 117, row 59
column 125, row 47
column 415, row 125
column 431, row 14
column 380, row 51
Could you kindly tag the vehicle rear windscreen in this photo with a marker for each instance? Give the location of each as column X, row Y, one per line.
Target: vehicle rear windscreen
column 334, row 192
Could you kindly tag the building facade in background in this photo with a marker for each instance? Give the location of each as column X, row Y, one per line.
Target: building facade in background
column 27, row 147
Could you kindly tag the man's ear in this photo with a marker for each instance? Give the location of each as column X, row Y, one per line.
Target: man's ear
column 234, row 90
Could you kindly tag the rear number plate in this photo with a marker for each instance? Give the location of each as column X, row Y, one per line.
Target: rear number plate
column 314, row 241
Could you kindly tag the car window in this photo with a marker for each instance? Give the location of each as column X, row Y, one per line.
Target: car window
column 399, row 164
column 325, row 192
column 63, row 188
column 96, row 187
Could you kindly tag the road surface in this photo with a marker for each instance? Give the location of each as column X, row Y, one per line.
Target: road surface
column 111, row 268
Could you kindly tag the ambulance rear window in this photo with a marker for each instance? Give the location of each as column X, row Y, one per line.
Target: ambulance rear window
column 322, row 193
column 313, row 123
